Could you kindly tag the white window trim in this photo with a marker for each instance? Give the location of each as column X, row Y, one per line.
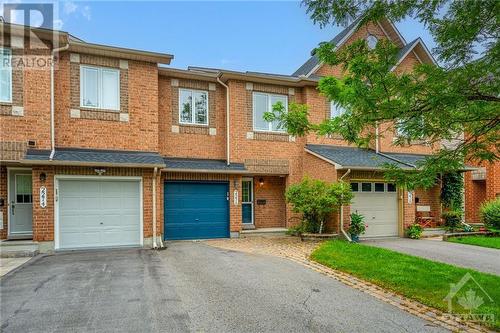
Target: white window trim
column 3, row 49
column 193, row 122
column 269, row 109
column 99, row 87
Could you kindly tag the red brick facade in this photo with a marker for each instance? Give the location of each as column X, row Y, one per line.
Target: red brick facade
column 481, row 186
column 148, row 120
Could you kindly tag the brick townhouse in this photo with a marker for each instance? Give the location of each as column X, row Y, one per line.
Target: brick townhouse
column 114, row 147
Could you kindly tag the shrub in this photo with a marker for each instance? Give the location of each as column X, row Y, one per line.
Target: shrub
column 414, row 231
column 316, row 200
column 490, row 214
column 452, row 219
column 357, row 226
column 452, row 190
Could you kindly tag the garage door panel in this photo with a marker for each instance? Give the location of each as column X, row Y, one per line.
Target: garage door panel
column 99, row 213
column 196, row 210
column 380, row 210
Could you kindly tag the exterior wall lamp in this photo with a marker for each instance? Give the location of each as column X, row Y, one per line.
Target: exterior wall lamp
column 261, row 181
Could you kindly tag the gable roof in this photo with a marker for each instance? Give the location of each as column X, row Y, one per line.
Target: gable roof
column 418, row 47
column 313, row 61
column 309, row 67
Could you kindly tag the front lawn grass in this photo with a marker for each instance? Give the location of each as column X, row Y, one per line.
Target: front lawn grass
column 420, row 279
column 484, row 241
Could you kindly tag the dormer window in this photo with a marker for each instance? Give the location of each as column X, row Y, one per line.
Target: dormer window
column 371, row 41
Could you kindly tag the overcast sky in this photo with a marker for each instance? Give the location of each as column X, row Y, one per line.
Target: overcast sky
column 274, row 37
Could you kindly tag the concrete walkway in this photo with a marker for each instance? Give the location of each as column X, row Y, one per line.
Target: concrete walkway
column 469, row 256
column 9, row 264
column 190, row 287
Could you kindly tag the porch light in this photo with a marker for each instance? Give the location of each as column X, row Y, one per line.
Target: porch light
column 261, row 182
column 43, row 176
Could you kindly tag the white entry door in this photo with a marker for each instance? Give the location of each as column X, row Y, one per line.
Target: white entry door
column 378, row 203
column 20, row 203
column 98, row 213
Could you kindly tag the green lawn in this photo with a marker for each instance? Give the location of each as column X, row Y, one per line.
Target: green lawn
column 493, row 242
column 423, row 280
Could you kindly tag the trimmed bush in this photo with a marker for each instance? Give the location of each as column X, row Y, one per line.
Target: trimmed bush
column 490, row 214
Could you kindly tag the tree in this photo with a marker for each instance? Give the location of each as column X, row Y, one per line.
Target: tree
column 316, row 200
column 431, row 104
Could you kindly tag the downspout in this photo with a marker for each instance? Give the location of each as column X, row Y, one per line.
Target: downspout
column 376, row 138
column 342, row 212
column 154, row 208
column 228, row 156
column 52, row 116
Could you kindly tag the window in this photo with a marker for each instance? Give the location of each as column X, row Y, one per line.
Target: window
column 371, row 41
column 379, row 187
column 366, row 187
column 23, row 189
column 391, row 187
column 100, row 88
column 263, row 103
column 193, row 107
column 336, row 110
column 5, row 76
column 354, row 187
column 246, row 191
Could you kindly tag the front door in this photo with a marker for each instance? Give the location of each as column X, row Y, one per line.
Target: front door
column 20, row 203
column 247, row 200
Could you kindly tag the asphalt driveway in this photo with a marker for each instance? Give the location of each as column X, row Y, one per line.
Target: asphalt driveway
column 469, row 256
column 188, row 287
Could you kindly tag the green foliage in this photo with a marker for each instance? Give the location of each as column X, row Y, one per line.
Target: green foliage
column 484, row 241
column 315, row 200
column 430, row 104
column 490, row 214
column 452, row 190
column 452, row 219
column 357, row 226
column 414, row 231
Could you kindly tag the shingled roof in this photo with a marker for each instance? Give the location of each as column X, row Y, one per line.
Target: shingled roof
column 359, row 158
column 95, row 157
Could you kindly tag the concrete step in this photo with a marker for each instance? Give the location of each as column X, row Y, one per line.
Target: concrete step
column 432, row 232
column 264, row 232
column 18, row 248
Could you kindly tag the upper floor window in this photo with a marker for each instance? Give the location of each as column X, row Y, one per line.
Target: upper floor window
column 100, row 87
column 263, row 103
column 193, row 107
column 336, row 110
column 371, row 41
column 5, row 76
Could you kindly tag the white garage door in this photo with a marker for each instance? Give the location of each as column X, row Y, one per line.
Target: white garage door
column 378, row 203
column 98, row 213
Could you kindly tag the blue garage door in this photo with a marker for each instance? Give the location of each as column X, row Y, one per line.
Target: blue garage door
column 195, row 210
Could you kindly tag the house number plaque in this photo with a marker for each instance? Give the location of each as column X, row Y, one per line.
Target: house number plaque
column 43, row 196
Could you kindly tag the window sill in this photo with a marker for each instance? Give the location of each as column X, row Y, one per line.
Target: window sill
column 193, row 125
column 271, row 132
column 86, row 108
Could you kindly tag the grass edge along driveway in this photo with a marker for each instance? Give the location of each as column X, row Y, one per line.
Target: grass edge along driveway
column 483, row 241
column 420, row 279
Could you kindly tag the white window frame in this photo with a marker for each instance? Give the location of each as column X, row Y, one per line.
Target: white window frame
column 269, row 109
column 193, row 121
column 100, row 70
column 3, row 49
column 373, row 38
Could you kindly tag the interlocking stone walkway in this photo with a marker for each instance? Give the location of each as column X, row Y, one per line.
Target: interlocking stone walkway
column 294, row 249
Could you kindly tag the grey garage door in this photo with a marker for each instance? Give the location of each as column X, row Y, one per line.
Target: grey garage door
column 99, row 213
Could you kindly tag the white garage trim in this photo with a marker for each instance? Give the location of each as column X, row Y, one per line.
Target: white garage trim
column 78, row 177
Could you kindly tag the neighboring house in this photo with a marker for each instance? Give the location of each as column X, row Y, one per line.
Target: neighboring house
column 134, row 143
column 481, row 185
